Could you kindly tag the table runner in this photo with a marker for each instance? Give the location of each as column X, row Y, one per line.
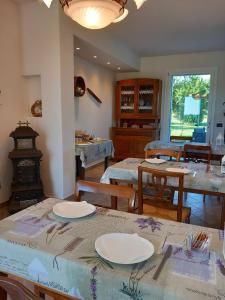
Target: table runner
column 62, row 256
column 92, row 152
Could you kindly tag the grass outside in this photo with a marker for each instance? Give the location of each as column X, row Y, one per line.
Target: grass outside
column 179, row 128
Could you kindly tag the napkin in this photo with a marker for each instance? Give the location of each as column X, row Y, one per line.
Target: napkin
column 199, row 265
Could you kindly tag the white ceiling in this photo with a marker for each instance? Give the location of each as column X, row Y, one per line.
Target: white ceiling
column 96, row 55
column 162, row 27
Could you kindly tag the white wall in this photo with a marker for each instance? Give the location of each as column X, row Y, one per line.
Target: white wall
column 11, row 98
column 159, row 67
column 41, row 56
column 91, row 116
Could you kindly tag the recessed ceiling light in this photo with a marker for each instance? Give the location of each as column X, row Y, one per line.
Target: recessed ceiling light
column 95, row 56
column 77, row 48
column 108, row 63
column 118, row 68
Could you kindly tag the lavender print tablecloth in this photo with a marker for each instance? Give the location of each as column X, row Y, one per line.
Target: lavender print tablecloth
column 94, row 152
column 60, row 254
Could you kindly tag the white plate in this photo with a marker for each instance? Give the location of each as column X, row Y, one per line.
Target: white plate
column 83, row 144
column 155, row 160
column 179, row 170
column 72, row 210
column 123, row 248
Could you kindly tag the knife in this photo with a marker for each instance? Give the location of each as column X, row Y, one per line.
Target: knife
column 161, row 265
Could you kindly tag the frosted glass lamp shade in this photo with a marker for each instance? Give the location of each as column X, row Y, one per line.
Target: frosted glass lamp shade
column 123, row 16
column 47, row 2
column 93, row 14
column 139, row 3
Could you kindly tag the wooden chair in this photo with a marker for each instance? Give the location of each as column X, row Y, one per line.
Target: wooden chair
column 12, row 286
column 163, row 152
column 197, row 153
column 180, row 138
column 160, row 207
column 112, row 190
column 15, row 290
column 157, row 153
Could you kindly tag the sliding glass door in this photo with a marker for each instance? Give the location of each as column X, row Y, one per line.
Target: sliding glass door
column 190, row 95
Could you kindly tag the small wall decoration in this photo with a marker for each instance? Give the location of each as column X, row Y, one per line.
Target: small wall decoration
column 36, row 109
column 79, row 86
column 93, row 95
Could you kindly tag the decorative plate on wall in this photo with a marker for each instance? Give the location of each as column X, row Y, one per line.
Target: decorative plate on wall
column 36, row 109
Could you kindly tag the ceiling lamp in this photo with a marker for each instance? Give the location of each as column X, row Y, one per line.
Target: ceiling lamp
column 95, row 14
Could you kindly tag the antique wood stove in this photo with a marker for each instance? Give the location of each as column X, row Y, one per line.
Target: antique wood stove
column 27, row 188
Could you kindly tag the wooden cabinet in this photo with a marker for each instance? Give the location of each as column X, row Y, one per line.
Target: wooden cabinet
column 137, row 116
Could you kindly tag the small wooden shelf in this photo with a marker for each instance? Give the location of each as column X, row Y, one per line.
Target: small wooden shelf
column 127, row 107
column 145, row 107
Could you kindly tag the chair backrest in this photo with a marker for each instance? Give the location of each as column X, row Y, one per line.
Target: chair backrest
column 162, row 152
column 158, row 180
column 194, row 152
column 106, row 189
column 15, row 289
column 180, row 138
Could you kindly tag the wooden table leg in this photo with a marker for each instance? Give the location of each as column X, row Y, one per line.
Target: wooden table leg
column 3, row 294
column 113, row 198
column 222, row 214
column 80, row 172
column 106, row 162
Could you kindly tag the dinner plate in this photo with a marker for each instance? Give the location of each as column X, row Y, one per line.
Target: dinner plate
column 155, row 160
column 179, row 170
column 83, row 144
column 123, row 248
column 72, row 210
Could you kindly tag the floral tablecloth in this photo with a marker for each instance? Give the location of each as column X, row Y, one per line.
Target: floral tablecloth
column 60, row 254
column 94, row 152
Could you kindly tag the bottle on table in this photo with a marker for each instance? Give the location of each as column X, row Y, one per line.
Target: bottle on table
column 223, row 165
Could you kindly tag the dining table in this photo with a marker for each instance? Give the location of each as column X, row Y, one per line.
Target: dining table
column 202, row 179
column 178, row 146
column 58, row 253
column 92, row 152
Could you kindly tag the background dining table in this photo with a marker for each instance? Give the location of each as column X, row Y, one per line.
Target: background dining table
column 60, row 254
column 217, row 150
column 202, row 179
column 90, row 153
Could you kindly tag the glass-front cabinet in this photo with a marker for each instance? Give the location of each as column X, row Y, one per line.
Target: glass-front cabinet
column 146, row 99
column 137, row 116
column 127, row 99
column 137, row 97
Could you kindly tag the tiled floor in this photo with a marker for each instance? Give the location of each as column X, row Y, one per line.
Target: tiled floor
column 204, row 214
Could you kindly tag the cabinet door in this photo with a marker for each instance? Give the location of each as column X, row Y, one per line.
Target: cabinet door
column 147, row 96
column 123, row 146
column 126, row 97
column 139, row 143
